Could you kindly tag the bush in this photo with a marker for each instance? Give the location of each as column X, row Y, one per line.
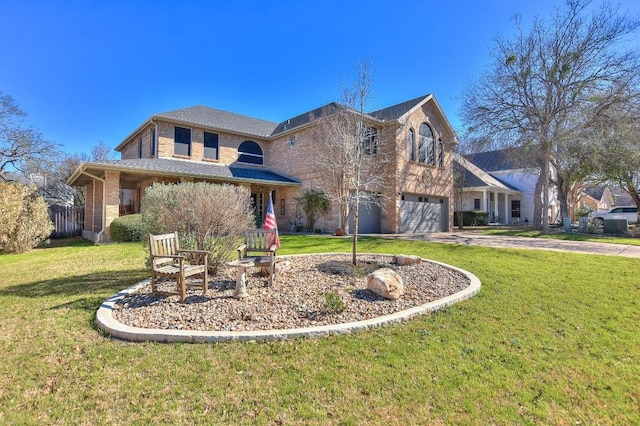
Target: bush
column 127, row 228
column 207, row 216
column 24, row 218
column 472, row 218
column 314, row 204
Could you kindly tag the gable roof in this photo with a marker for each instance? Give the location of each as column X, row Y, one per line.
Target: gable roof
column 474, row 177
column 394, row 112
column 596, row 191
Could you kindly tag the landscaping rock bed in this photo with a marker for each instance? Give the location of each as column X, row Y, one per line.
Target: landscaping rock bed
column 302, row 296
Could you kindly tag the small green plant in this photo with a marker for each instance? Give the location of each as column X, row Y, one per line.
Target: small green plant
column 333, row 303
column 318, row 231
column 127, row 228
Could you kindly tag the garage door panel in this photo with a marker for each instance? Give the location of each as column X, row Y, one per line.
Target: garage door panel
column 420, row 217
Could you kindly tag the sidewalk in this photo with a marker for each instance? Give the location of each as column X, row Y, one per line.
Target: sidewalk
column 480, row 239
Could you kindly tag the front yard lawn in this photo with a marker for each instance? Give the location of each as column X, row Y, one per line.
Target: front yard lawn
column 551, row 339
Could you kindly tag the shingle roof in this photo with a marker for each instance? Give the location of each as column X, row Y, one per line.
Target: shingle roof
column 167, row 166
column 394, row 112
column 502, row 159
column 308, row 117
column 212, row 117
column 595, row 191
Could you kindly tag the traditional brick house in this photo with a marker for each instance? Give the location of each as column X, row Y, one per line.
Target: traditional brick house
column 206, row 144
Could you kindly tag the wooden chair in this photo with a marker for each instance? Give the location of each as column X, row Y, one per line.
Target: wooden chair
column 167, row 260
column 259, row 247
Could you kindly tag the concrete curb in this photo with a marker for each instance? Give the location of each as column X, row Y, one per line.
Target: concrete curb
column 108, row 324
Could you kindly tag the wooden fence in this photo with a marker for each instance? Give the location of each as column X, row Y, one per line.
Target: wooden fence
column 68, row 221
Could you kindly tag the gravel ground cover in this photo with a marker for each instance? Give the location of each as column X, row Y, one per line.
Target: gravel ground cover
column 297, row 299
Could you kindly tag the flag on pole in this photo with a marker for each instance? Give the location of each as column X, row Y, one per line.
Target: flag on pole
column 270, row 223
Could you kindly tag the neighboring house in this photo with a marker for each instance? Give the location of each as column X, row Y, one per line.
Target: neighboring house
column 205, row 144
column 53, row 191
column 596, row 198
column 502, row 183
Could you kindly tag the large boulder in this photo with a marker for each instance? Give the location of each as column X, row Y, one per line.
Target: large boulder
column 403, row 259
column 385, row 282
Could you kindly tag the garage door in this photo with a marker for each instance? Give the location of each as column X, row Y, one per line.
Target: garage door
column 420, row 215
column 368, row 219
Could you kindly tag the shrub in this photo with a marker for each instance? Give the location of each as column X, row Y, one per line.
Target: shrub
column 472, row 218
column 127, row 228
column 314, row 204
column 24, row 218
column 207, row 216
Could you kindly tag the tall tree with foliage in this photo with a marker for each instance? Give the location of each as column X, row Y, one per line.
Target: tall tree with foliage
column 352, row 155
column 546, row 83
column 20, row 145
column 619, row 131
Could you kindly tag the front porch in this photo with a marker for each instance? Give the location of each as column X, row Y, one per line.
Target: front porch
column 116, row 188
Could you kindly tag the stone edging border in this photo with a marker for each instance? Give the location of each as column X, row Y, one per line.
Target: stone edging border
column 108, row 324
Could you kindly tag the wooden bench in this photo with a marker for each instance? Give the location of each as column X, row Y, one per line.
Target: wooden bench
column 259, row 247
column 167, row 260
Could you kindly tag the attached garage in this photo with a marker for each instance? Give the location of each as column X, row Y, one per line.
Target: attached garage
column 422, row 214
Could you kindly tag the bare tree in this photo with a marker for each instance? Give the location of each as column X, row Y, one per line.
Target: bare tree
column 20, row 146
column 101, row 152
column 545, row 84
column 352, row 154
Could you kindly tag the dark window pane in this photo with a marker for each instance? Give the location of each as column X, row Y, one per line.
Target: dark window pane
column 211, row 145
column 153, row 142
column 250, row 152
column 410, row 145
column 182, row 141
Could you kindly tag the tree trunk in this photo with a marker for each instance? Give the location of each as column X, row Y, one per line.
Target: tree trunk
column 354, row 250
column 563, row 196
column 536, row 221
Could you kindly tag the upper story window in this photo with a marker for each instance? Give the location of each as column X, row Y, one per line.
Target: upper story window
column 411, row 151
column 426, row 145
column 250, row 152
column 440, row 153
column 211, row 145
column 152, row 137
column 140, row 147
column 182, row 141
column 370, row 142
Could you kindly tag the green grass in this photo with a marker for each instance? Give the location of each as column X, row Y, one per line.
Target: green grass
column 552, row 338
column 528, row 232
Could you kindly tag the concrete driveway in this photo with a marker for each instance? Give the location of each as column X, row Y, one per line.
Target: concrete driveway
column 477, row 238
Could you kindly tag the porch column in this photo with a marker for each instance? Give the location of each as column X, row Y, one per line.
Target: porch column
column 495, row 206
column 484, row 201
column 112, row 199
column 507, row 215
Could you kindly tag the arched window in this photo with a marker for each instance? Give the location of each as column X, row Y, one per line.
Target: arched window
column 440, row 153
column 426, row 145
column 411, row 150
column 250, row 152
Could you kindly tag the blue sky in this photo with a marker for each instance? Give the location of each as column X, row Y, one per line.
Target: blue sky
column 89, row 71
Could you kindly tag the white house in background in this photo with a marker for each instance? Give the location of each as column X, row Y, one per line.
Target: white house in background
column 502, row 184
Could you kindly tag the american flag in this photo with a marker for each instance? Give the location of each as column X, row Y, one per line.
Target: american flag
column 270, row 223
